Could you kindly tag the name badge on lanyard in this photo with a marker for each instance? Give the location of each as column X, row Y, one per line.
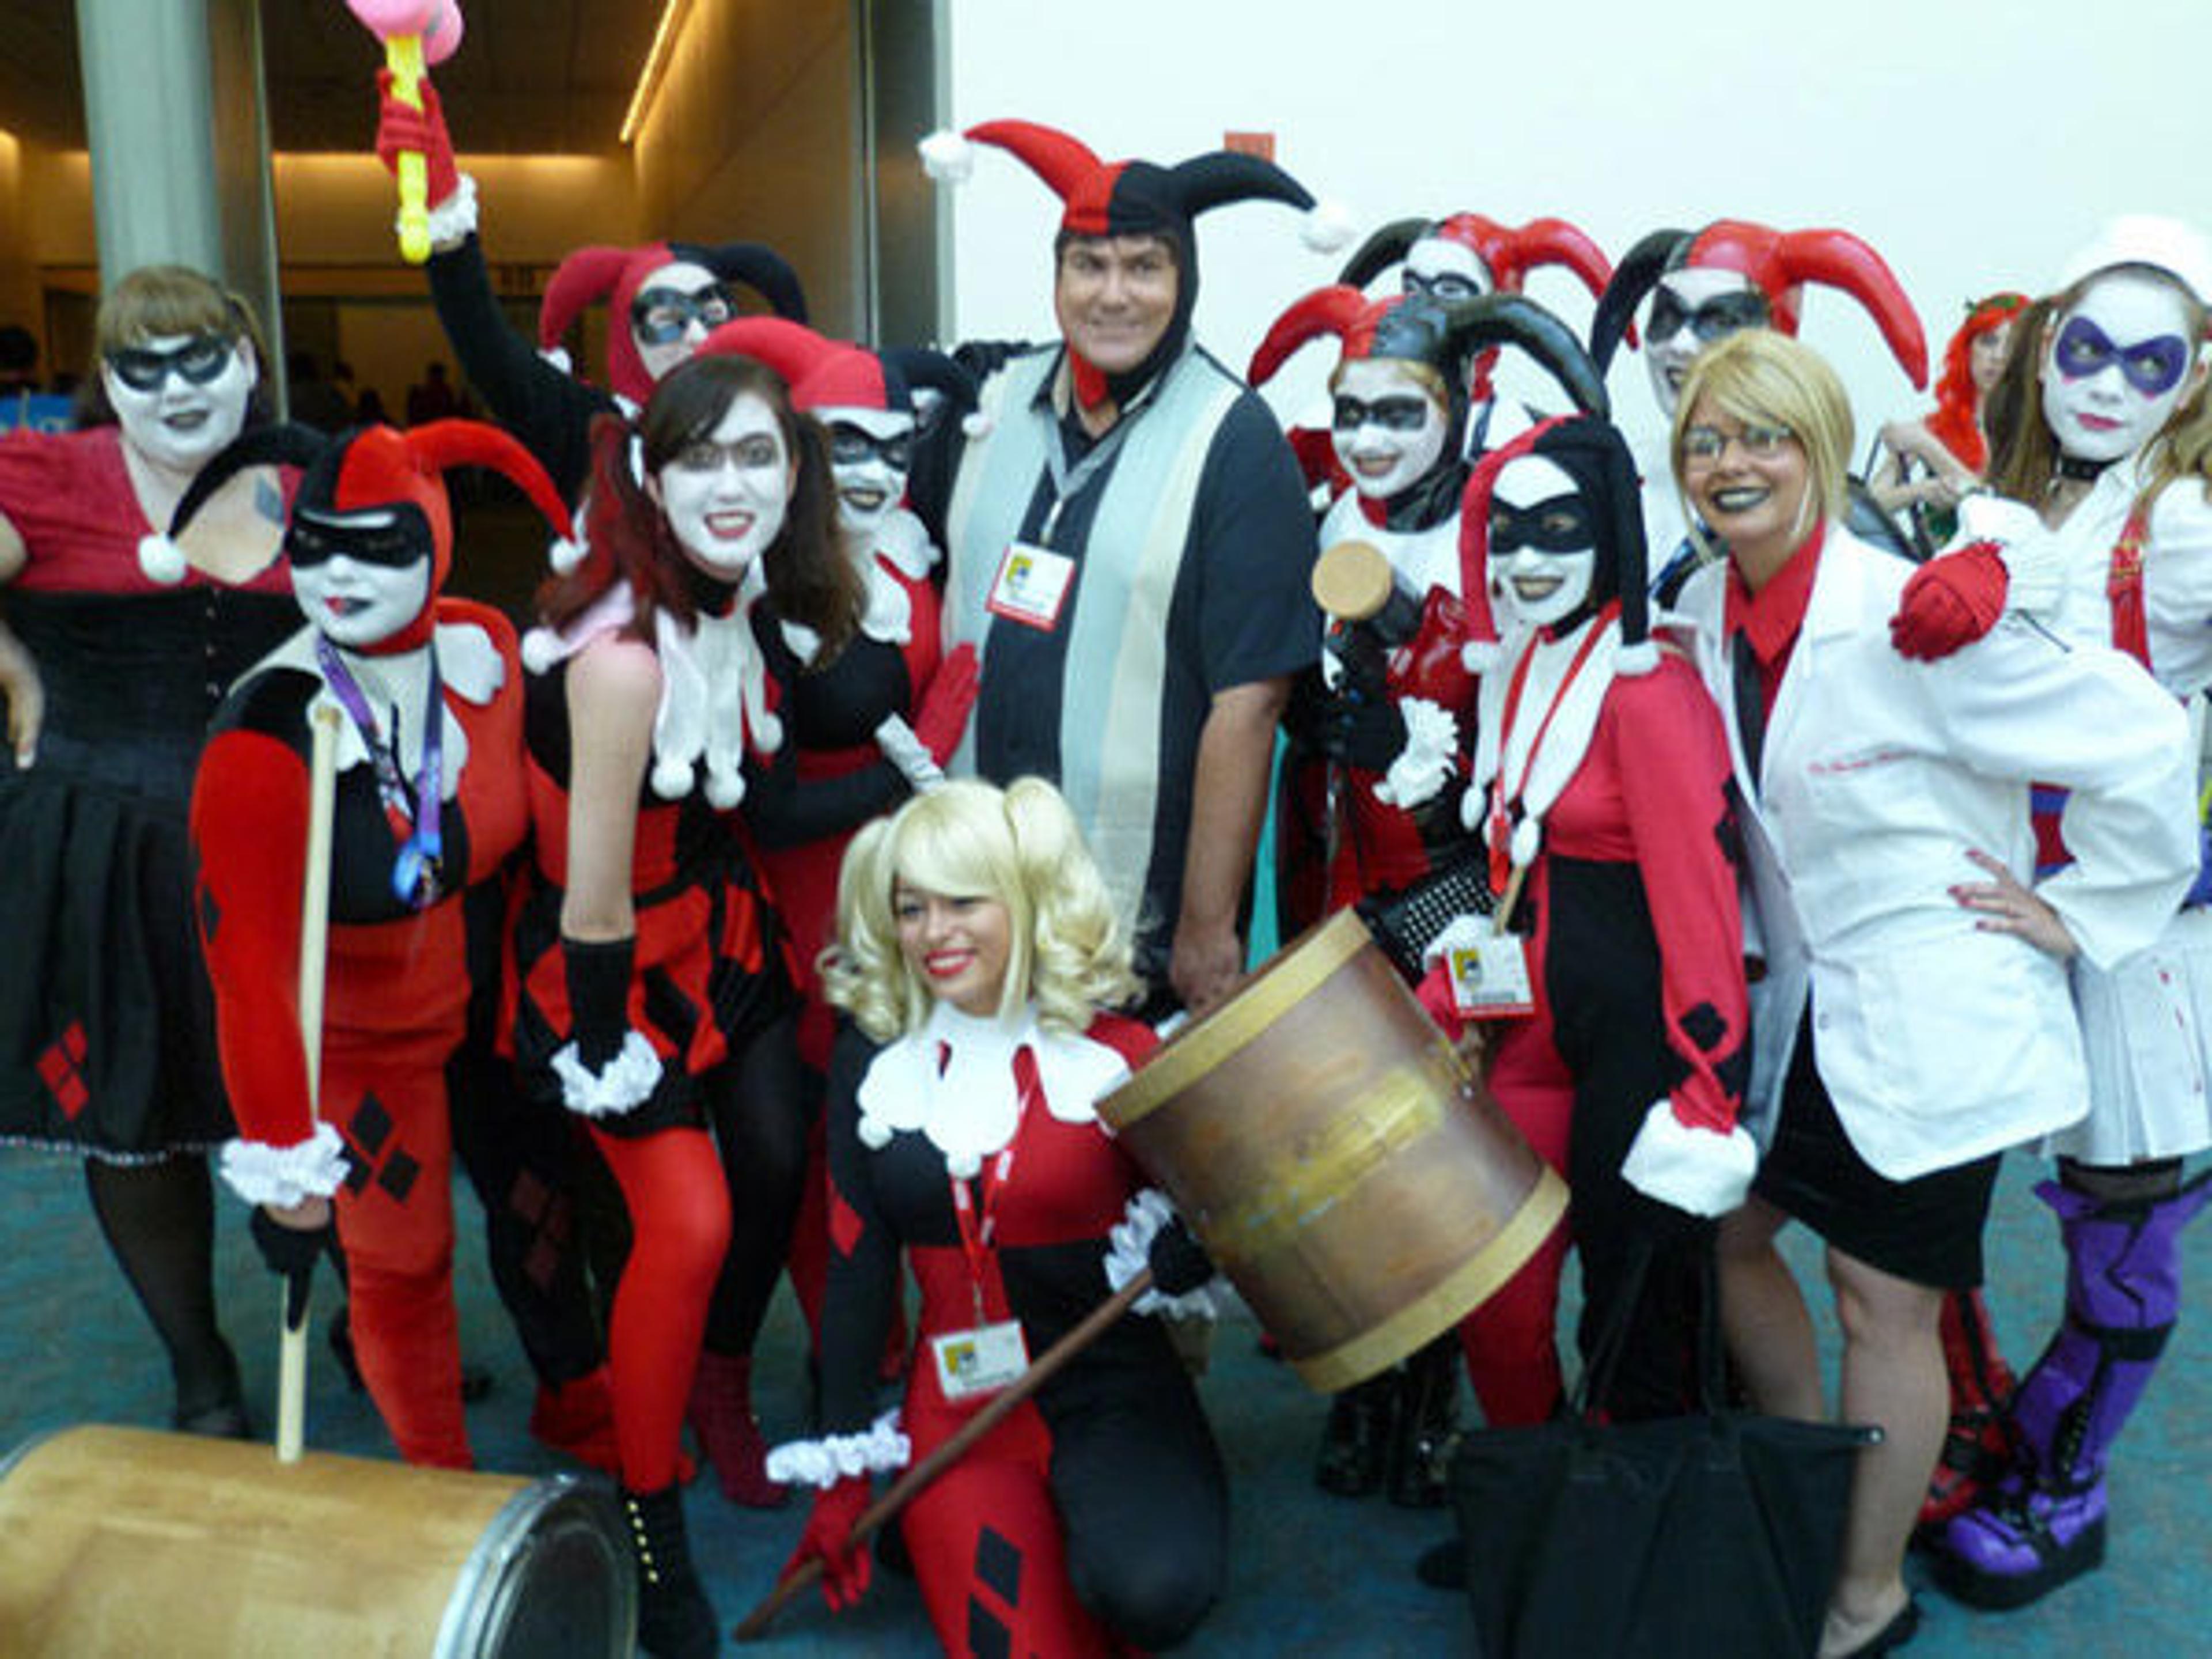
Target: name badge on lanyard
column 1490, row 978
column 991, row 1353
column 1031, row 586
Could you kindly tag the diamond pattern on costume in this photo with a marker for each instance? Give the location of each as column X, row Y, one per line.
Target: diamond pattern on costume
column 988, row 1635
column 60, row 1067
column 999, row 1564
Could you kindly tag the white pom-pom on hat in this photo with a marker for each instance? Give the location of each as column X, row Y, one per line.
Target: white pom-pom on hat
column 672, row 779
column 947, row 156
column 1328, row 227
column 565, row 553
column 1637, row 660
column 558, row 356
column 976, row 424
column 1527, row 841
column 162, row 559
column 541, row 649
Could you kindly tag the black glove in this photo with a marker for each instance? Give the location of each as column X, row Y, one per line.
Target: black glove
column 1368, row 733
column 1179, row 1262
column 984, row 358
column 291, row 1253
column 598, row 996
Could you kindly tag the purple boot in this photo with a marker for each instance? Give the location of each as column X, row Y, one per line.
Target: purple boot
column 2045, row 1524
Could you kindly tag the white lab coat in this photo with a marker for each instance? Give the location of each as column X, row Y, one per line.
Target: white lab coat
column 1938, row 1043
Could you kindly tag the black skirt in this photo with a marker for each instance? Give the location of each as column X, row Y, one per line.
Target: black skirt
column 1927, row 1231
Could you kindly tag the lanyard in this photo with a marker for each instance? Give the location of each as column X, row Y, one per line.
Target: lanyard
column 1068, row 482
column 415, row 870
column 1501, row 828
column 976, row 1215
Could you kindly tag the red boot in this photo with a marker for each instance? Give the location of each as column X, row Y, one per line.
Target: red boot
column 721, row 1415
column 1979, row 1447
column 578, row 1418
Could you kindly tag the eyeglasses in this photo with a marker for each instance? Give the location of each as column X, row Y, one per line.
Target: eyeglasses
column 1717, row 317
column 660, row 316
column 1401, row 413
column 1704, row 445
column 201, row 360
column 2152, row 367
column 850, row 446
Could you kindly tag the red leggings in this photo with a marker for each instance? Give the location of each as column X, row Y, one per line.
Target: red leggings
column 679, row 1212
column 1511, row 1342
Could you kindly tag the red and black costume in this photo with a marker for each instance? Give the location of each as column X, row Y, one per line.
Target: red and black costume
column 1093, row 1520
column 1601, row 775
column 436, row 706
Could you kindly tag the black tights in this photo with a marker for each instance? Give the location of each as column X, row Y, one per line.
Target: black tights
column 761, row 1118
column 159, row 1221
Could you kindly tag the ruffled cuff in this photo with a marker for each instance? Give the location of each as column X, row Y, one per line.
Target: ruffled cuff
column 453, row 220
column 1424, row 765
column 821, row 1464
column 909, row 753
column 624, row 1084
column 1129, row 1252
column 284, row 1176
column 1701, row 1171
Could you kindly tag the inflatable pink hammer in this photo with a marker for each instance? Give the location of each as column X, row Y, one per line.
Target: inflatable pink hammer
column 415, row 32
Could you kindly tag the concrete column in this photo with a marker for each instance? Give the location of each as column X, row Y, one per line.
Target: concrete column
column 179, row 140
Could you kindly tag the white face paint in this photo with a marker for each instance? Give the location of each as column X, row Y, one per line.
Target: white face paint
column 725, row 495
column 1684, row 294
column 1445, row 269
column 1548, row 579
column 359, row 603
column 1387, row 426
column 176, row 424
column 2102, row 364
column 870, row 481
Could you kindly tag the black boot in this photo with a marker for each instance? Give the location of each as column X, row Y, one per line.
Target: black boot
column 1355, row 1447
column 675, row 1621
column 1427, row 1426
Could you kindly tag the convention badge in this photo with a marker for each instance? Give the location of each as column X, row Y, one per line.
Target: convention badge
column 1490, row 977
column 1031, row 586
column 973, row 1362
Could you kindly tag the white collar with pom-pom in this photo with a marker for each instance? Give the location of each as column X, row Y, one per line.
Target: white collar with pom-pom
column 968, row 1107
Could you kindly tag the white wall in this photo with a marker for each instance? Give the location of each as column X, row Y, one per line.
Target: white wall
column 1972, row 143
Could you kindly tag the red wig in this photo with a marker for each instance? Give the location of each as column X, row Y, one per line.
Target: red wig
column 1954, row 424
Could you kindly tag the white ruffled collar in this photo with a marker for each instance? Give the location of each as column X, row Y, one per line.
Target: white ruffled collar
column 1565, row 740
column 968, row 1106
column 902, row 548
column 398, row 687
column 713, row 688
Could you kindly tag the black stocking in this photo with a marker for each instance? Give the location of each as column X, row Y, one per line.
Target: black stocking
column 159, row 1221
column 761, row 1118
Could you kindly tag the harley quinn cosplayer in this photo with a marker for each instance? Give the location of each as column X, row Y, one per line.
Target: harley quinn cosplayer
column 663, row 300
column 2111, row 542
column 429, row 805
column 653, row 994
column 1601, row 797
column 106, row 1036
column 1378, row 737
column 1705, row 285
column 977, row 949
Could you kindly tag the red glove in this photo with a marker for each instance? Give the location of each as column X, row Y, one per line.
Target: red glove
column 422, row 130
column 828, row 1538
column 1950, row 602
column 943, row 716
column 1434, row 994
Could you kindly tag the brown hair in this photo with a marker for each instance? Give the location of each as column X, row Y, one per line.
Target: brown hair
column 157, row 300
column 809, row 582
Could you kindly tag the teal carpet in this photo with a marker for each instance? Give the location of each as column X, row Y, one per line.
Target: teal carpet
column 1310, row 1574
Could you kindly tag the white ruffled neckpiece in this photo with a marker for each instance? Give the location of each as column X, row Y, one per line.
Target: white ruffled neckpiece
column 1566, row 737
column 713, row 688
column 970, row 1107
column 902, row 547
column 397, row 690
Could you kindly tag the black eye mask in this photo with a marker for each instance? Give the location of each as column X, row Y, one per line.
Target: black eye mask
column 1726, row 315
column 1559, row 524
column 311, row 540
column 1401, row 411
column 201, row 360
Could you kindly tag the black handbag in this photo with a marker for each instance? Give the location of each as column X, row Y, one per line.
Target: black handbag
column 1714, row 1535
